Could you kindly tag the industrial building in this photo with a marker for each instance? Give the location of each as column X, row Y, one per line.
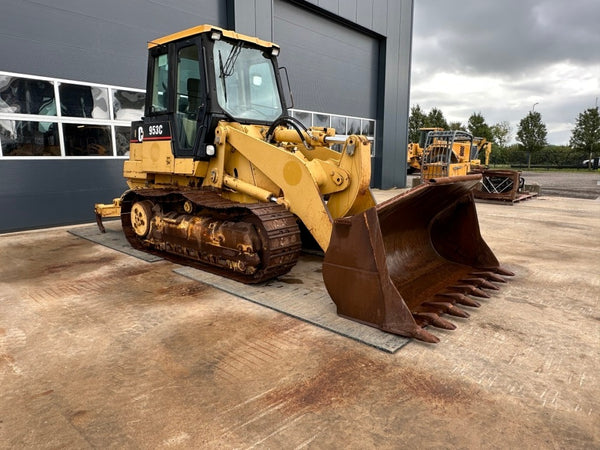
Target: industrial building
column 73, row 77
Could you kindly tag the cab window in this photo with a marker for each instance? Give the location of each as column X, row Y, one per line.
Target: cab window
column 188, row 97
column 160, row 83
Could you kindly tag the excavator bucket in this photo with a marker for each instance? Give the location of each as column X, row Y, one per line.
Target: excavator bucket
column 400, row 265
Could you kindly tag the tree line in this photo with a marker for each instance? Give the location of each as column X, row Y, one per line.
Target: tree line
column 532, row 147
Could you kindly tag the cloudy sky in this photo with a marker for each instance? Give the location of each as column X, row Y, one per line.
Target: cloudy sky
column 500, row 57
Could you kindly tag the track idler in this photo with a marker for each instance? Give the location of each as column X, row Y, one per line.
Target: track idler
column 401, row 265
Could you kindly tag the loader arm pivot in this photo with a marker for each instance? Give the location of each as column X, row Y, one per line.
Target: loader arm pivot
column 303, row 180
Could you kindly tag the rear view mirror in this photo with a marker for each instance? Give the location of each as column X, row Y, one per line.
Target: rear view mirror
column 289, row 104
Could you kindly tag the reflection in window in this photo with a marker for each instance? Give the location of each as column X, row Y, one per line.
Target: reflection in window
column 122, row 136
column 128, row 105
column 25, row 138
column 320, row 120
column 87, row 140
column 25, row 96
column 353, row 126
column 304, row 117
column 339, row 123
column 83, row 101
column 368, row 127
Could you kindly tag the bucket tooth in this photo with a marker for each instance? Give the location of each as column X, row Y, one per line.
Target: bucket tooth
column 480, row 282
column 435, row 320
column 469, row 302
column 487, row 285
column 446, row 307
column 499, row 270
column 425, row 336
column 490, row 276
column 469, row 289
column 479, row 293
column 461, row 299
column 456, row 311
column 503, row 271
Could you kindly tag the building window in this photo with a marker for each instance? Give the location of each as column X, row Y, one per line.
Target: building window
column 339, row 123
column 122, row 138
column 27, row 138
column 128, row 105
column 344, row 125
column 87, row 140
column 92, row 120
column 20, row 95
column 83, row 101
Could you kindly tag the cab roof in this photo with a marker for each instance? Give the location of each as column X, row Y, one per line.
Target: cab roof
column 200, row 29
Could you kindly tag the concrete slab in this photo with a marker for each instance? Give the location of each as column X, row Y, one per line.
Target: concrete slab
column 112, row 238
column 99, row 349
column 300, row 293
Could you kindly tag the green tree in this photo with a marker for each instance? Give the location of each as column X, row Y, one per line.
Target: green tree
column 586, row 134
column 478, row 127
column 416, row 120
column 456, row 126
column 501, row 132
column 532, row 134
column 435, row 118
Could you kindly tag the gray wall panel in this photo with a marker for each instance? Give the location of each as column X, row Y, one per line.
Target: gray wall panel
column 258, row 14
column 103, row 42
column 364, row 13
column 347, row 9
column 381, row 15
column 332, row 68
column 397, row 78
column 36, row 193
column 84, row 40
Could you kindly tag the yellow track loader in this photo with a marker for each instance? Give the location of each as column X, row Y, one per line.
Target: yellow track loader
column 414, row 153
column 222, row 178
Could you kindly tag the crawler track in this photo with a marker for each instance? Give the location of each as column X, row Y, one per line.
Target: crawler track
column 249, row 243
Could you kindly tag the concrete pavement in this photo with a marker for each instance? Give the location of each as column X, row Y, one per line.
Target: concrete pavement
column 99, row 349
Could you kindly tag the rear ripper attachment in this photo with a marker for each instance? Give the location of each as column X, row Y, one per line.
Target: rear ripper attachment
column 400, row 265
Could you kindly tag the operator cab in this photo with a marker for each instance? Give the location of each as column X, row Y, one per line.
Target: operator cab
column 203, row 75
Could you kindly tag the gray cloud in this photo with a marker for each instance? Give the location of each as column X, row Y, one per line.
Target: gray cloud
column 508, row 37
column 527, row 51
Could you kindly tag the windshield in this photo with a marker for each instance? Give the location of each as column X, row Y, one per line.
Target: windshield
column 246, row 83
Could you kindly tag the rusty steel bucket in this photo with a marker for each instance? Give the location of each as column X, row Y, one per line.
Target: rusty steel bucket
column 399, row 265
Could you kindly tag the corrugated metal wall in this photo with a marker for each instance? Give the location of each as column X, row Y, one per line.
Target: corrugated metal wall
column 332, row 67
column 96, row 41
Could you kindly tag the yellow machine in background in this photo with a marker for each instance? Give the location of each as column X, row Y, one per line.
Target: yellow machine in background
column 414, row 152
column 480, row 147
column 453, row 153
column 223, row 179
column 458, row 153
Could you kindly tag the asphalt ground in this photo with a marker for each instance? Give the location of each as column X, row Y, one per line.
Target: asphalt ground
column 580, row 184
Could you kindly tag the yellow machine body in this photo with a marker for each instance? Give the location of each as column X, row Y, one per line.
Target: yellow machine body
column 222, row 178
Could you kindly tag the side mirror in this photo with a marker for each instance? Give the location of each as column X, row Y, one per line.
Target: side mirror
column 287, row 79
